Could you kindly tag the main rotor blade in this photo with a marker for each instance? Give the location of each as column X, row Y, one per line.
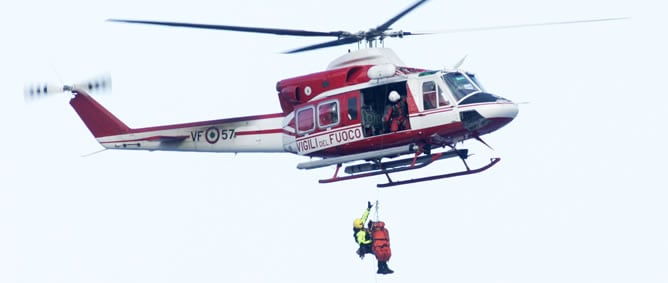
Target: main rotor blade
column 337, row 42
column 391, row 21
column 515, row 26
column 234, row 28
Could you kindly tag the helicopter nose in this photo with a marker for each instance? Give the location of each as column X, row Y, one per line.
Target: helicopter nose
column 487, row 118
column 501, row 114
column 503, row 111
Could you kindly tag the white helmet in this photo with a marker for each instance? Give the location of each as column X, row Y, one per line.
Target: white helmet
column 394, row 96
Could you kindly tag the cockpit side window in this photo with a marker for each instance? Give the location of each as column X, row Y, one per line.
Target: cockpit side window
column 432, row 96
column 441, row 99
column 459, row 85
column 429, row 95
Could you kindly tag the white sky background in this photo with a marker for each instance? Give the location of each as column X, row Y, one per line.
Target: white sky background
column 579, row 195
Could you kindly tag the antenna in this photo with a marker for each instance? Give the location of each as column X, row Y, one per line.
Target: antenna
column 460, row 63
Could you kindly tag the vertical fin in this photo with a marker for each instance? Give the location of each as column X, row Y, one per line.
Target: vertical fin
column 98, row 119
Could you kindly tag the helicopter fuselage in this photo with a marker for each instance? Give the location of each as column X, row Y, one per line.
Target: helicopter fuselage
column 340, row 112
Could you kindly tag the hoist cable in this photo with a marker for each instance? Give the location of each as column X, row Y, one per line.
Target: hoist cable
column 377, row 213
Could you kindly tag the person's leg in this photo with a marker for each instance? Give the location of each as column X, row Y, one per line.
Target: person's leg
column 394, row 125
column 367, row 249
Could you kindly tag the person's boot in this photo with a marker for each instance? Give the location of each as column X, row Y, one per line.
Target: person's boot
column 384, row 269
column 388, row 270
column 381, row 269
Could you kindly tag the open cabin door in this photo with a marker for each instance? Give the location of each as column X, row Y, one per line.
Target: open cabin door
column 374, row 103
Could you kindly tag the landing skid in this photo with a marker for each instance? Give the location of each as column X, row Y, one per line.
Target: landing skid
column 417, row 162
column 443, row 176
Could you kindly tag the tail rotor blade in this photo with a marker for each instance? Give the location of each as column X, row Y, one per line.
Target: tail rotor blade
column 94, row 85
column 40, row 90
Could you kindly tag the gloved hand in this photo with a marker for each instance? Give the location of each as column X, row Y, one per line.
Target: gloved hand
column 369, row 205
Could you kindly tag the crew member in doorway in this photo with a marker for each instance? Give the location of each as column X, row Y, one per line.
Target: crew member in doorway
column 396, row 113
column 363, row 238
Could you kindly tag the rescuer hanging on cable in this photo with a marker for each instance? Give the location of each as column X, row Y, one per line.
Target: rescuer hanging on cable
column 365, row 239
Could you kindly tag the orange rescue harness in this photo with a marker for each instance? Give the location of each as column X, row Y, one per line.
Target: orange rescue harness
column 381, row 241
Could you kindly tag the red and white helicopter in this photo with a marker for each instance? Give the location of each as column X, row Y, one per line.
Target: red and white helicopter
column 335, row 116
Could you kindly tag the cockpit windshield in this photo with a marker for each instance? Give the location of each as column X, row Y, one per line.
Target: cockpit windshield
column 459, row 85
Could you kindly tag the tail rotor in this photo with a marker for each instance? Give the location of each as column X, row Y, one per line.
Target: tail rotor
column 40, row 90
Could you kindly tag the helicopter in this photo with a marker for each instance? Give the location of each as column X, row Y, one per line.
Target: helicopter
column 337, row 116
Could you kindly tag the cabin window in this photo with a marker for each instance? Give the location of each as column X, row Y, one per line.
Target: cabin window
column 305, row 120
column 352, row 108
column 328, row 114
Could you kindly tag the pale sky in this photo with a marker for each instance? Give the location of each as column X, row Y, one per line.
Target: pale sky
column 579, row 195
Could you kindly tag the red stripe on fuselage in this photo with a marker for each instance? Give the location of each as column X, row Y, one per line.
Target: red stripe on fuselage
column 432, row 111
column 209, row 123
column 241, row 133
column 259, row 132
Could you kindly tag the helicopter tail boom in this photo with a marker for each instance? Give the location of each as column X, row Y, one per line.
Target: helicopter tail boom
column 259, row 133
